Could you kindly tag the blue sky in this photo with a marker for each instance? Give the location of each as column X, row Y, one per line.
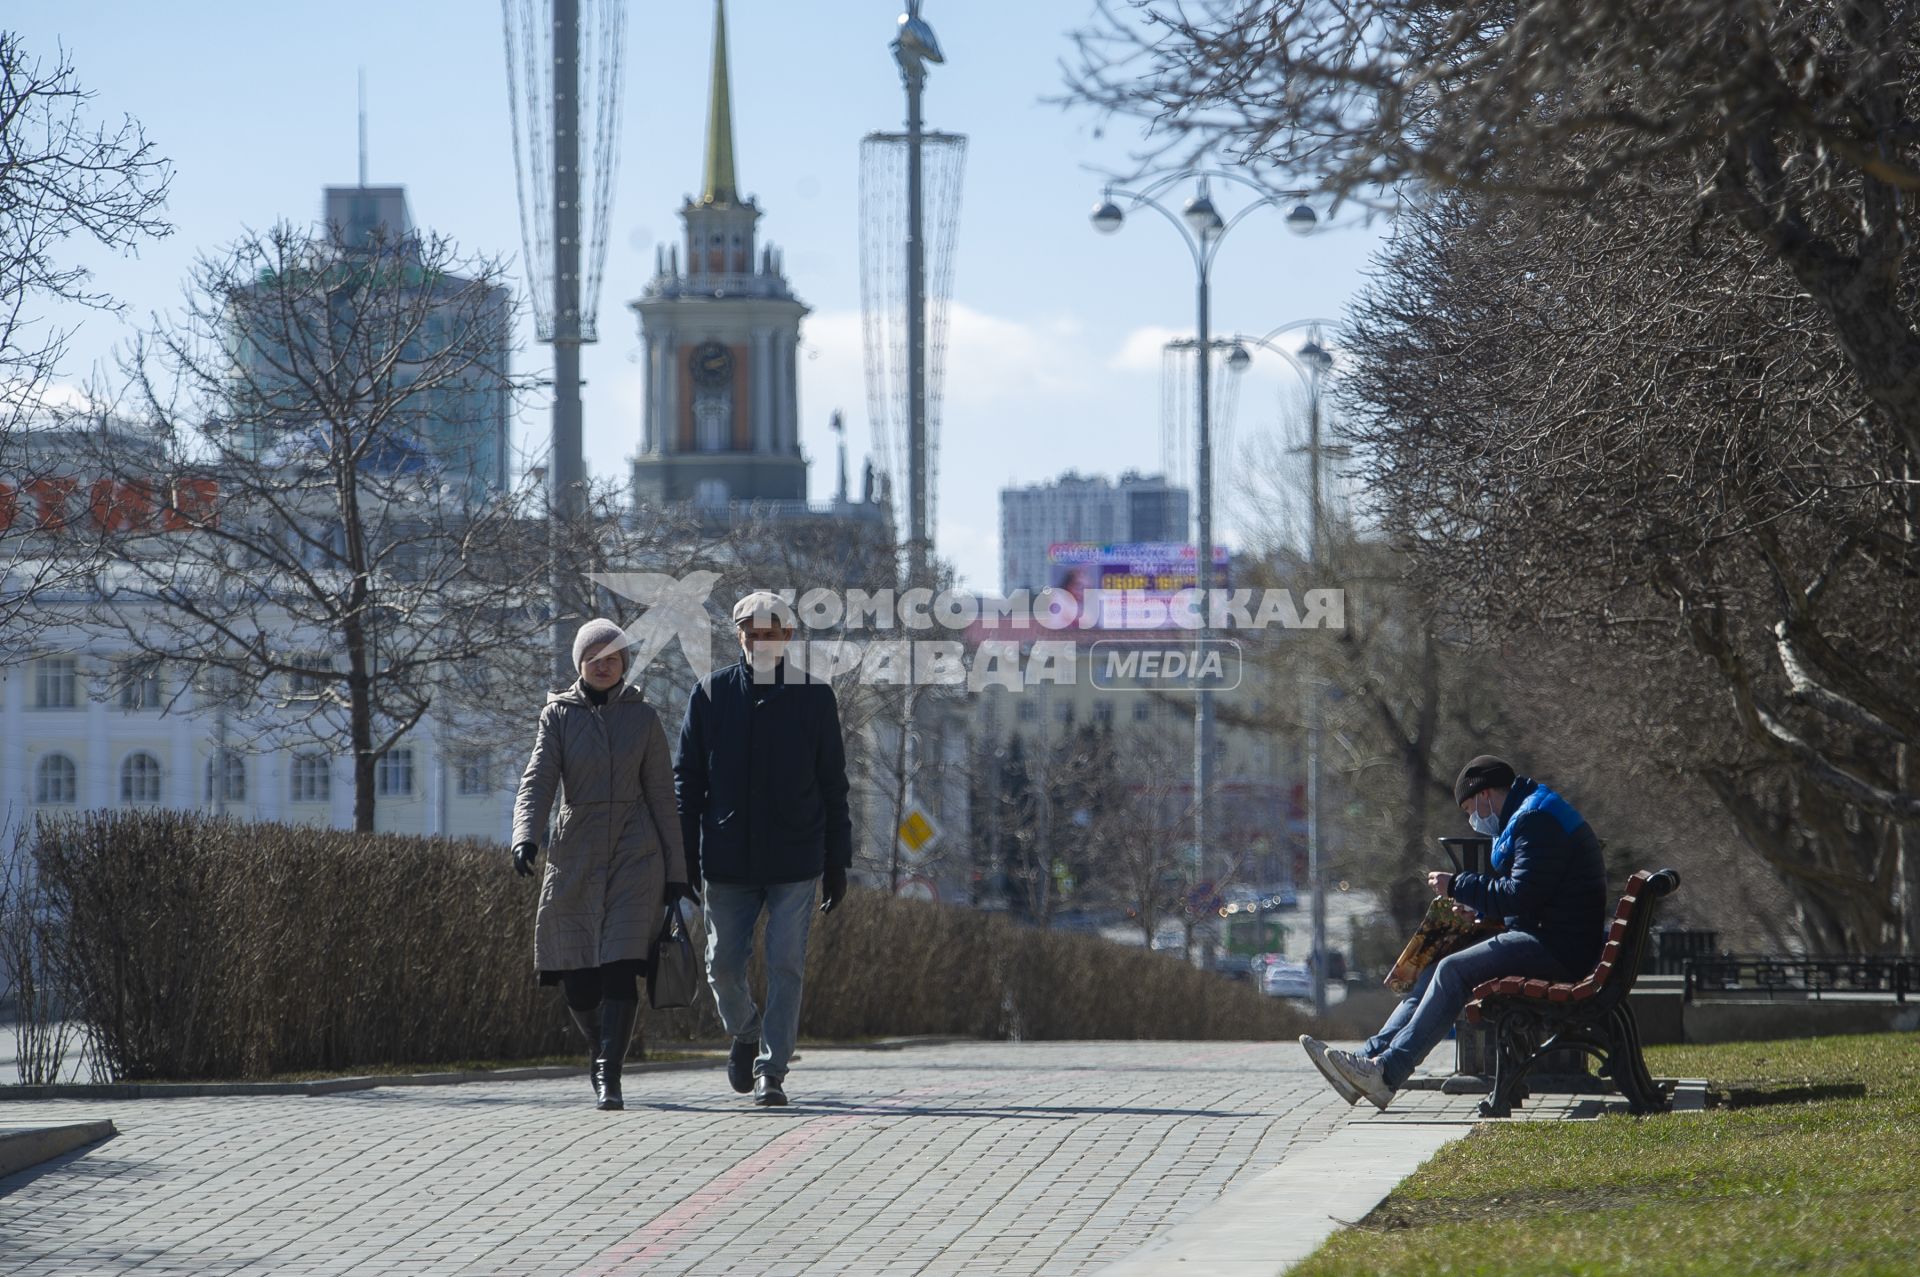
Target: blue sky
column 1056, row 331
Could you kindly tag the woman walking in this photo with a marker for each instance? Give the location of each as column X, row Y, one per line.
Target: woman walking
column 615, row 861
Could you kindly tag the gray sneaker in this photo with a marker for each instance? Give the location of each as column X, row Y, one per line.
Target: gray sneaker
column 1363, row 1075
column 1317, row 1052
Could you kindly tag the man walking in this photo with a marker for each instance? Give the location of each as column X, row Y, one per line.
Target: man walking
column 762, row 787
column 1549, row 884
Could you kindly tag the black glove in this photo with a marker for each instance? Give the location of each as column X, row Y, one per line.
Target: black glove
column 833, row 886
column 524, row 854
column 682, row 891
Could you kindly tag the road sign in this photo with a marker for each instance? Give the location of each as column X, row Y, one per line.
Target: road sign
column 918, row 832
column 919, row 889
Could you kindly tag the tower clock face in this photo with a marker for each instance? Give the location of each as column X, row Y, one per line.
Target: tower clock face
column 712, row 364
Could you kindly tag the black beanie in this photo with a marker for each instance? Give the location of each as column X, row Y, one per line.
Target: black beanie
column 1484, row 772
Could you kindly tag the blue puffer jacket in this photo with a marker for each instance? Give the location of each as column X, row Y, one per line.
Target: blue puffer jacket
column 1548, row 879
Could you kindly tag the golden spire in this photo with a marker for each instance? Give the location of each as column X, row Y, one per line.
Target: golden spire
column 721, row 187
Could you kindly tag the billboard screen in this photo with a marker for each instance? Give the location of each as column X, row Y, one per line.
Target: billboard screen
column 1131, row 583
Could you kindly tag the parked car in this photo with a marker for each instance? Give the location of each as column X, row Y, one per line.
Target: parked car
column 1286, row 980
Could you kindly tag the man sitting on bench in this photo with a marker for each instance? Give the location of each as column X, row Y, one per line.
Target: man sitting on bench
column 1549, row 883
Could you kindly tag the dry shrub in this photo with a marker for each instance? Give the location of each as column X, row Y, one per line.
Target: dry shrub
column 203, row 948
column 206, row 948
column 31, row 976
column 881, row 966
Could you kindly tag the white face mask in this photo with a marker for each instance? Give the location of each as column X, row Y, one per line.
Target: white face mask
column 1488, row 825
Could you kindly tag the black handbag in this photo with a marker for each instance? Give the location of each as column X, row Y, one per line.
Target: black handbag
column 673, row 973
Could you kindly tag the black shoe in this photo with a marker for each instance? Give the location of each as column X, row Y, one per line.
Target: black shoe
column 588, row 1022
column 616, row 1031
column 767, row 1092
column 740, row 1065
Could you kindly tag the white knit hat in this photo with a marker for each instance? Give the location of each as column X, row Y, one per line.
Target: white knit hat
column 594, row 634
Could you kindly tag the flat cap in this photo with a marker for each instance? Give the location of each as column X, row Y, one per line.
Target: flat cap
column 1483, row 772
column 763, row 604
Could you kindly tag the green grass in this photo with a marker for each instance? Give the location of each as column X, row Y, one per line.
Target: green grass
column 1771, row 1182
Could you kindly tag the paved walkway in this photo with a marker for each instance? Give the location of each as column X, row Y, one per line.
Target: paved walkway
column 1046, row 1158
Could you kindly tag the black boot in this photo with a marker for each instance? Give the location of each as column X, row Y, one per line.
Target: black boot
column 588, row 1022
column 616, row 1031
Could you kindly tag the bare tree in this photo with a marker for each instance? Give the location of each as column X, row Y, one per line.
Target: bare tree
column 1719, row 345
column 1596, row 425
column 347, row 561
column 1407, row 695
column 61, row 178
column 1139, row 831
column 1780, row 138
column 1788, row 129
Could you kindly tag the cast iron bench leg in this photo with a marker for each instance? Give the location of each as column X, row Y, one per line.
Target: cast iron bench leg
column 1508, row 1067
column 1657, row 1101
column 1629, row 1069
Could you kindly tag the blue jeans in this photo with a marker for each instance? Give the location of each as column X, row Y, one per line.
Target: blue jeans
column 731, row 911
column 1423, row 1017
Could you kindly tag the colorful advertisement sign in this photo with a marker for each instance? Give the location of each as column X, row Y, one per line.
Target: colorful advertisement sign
column 1130, row 583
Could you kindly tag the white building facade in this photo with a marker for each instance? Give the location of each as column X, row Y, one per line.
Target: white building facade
column 84, row 728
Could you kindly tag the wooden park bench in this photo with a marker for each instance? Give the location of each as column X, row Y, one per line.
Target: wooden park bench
column 1533, row 1017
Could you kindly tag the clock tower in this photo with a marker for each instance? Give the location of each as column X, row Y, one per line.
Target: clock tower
column 720, row 329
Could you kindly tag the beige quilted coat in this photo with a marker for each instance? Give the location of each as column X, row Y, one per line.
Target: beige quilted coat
column 616, row 843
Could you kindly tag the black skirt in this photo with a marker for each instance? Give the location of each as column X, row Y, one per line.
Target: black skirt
column 625, row 968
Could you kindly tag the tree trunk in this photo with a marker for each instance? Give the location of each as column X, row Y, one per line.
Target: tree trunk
column 1417, row 757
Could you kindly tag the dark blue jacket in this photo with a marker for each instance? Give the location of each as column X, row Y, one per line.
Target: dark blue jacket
column 1548, row 879
column 762, row 779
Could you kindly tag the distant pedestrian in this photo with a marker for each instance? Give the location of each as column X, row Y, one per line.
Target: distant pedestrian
column 762, row 784
column 615, row 861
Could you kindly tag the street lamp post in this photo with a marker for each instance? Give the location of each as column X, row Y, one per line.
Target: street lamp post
column 915, row 49
column 1312, row 361
column 1202, row 229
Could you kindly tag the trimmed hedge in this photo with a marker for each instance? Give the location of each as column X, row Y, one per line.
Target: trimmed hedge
column 204, row 948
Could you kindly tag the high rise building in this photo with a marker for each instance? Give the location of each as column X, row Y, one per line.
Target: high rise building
column 456, row 334
column 1083, row 508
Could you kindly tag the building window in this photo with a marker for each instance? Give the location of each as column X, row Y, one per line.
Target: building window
column 475, row 775
column 1103, row 713
column 312, row 778
column 56, row 682
column 140, row 779
column 235, row 788
column 309, row 681
column 1028, row 711
column 56, row 782
column 713, row 419
column 475, row 680
column 710, row 494
column 393, row 774
column 1142, row 710
column 139, row 681
column 1064, row 711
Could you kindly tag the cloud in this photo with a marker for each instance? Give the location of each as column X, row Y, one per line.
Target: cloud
column 49, row 401
column 990, row 360
column 1142, row 349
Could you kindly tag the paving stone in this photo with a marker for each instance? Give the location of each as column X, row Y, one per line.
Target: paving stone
column 1055, row 1158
